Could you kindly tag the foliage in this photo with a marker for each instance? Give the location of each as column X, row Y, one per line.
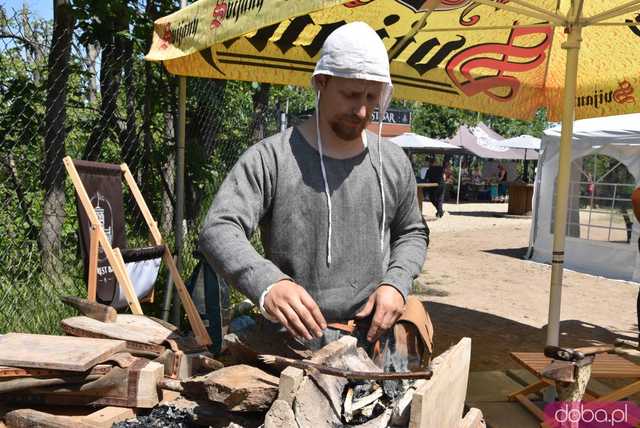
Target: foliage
column 130, row 107
column 438, row 121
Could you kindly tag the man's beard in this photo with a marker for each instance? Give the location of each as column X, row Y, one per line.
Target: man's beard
column 345, row 132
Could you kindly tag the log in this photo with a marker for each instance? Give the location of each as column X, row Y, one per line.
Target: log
column 134, row 387
column 28, row 418
column 242, row 388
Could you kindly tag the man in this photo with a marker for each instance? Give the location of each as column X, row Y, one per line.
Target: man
column 337, row 208
column 435, row 174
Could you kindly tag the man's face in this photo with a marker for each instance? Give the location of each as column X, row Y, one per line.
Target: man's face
column 347, row 104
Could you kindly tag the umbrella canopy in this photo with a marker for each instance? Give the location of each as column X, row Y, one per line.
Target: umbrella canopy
column 526, row 142
column 504, row 57
column 492, row 56
column 419, row 143
column 484, row 142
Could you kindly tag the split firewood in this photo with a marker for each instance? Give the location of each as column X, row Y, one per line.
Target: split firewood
column 209, row 363
column 239, row 388
column 94, row 310
column 349, row 374
column 23, row 383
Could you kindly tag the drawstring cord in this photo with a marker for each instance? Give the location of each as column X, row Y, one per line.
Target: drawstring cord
column 324, row 175
column 384, row 208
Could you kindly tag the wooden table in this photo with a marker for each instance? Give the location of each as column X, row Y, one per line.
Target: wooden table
column 420, row 187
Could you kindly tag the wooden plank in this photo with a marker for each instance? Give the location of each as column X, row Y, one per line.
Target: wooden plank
column 132, row 328
column 440, row 400
column 604, row 365
column 94, row 248
column 199, row 330
column 530, row 406
column 620, row 393
column 17, row 372
column 134, row 387
column 77, row 354
column 28, row 418
column 106, row 417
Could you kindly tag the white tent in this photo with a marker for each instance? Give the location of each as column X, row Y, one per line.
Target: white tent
column 617, row 137
column 526, row 142
column 420, row 143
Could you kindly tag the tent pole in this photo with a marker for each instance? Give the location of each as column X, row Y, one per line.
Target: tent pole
column 459, row 178
column 572, row 46
column 179, row 209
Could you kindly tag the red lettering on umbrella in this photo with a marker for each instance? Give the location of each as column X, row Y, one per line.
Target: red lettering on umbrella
column 474, row 58
column 624, row 93
column 167, row 37
column 219, row 14
column 357, row 3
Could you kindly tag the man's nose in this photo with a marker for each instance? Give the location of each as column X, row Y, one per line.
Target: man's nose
column 360, row 111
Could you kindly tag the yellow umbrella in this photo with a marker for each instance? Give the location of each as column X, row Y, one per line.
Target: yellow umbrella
column 504, row 57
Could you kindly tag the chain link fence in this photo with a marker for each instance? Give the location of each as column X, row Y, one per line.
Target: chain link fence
column 61, row 96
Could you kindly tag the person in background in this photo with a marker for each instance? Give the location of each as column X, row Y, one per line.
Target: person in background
column 502, row 182
column 435, row 174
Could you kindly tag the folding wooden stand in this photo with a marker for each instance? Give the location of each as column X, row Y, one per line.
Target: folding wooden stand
column 99, row 239
column 604, row 366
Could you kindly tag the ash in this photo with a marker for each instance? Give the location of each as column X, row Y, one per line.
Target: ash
column 161, row 417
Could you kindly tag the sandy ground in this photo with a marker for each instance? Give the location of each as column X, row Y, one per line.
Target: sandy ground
column 476, row 284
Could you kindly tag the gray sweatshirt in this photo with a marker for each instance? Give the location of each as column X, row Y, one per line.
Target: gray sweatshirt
column 277, row 185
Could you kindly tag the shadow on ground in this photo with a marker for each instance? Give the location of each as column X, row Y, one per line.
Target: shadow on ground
column 476, row 213
column 494, row 337
column 517, row 253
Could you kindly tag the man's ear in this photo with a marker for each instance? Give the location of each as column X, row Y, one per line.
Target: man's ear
column 320, row 81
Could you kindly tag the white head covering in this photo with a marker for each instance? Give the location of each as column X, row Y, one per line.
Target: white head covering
column 355, row 51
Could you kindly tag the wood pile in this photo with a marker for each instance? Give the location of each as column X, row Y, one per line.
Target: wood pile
column 136, row 371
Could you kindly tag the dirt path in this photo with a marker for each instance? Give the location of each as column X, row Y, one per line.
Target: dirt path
column 477, row 284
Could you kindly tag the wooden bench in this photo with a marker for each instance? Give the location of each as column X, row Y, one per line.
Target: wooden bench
column 605, row 366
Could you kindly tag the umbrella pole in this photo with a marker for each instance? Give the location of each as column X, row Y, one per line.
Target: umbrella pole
column 459, row 179
column 572, row 45
column 179, row 209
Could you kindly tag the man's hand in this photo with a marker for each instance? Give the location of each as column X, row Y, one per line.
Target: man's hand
column 389, row 306
column 295, row 309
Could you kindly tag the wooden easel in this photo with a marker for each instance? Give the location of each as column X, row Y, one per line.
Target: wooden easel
column 99, row 239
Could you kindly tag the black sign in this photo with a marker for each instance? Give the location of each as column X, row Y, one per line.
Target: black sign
column 392, row 115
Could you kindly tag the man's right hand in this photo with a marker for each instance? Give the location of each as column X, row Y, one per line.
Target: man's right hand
column 295, row 309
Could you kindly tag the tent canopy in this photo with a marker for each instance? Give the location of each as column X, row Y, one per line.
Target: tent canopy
column 484, row 142
column 526, row 142
column 422, row 144
column 617, row 137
